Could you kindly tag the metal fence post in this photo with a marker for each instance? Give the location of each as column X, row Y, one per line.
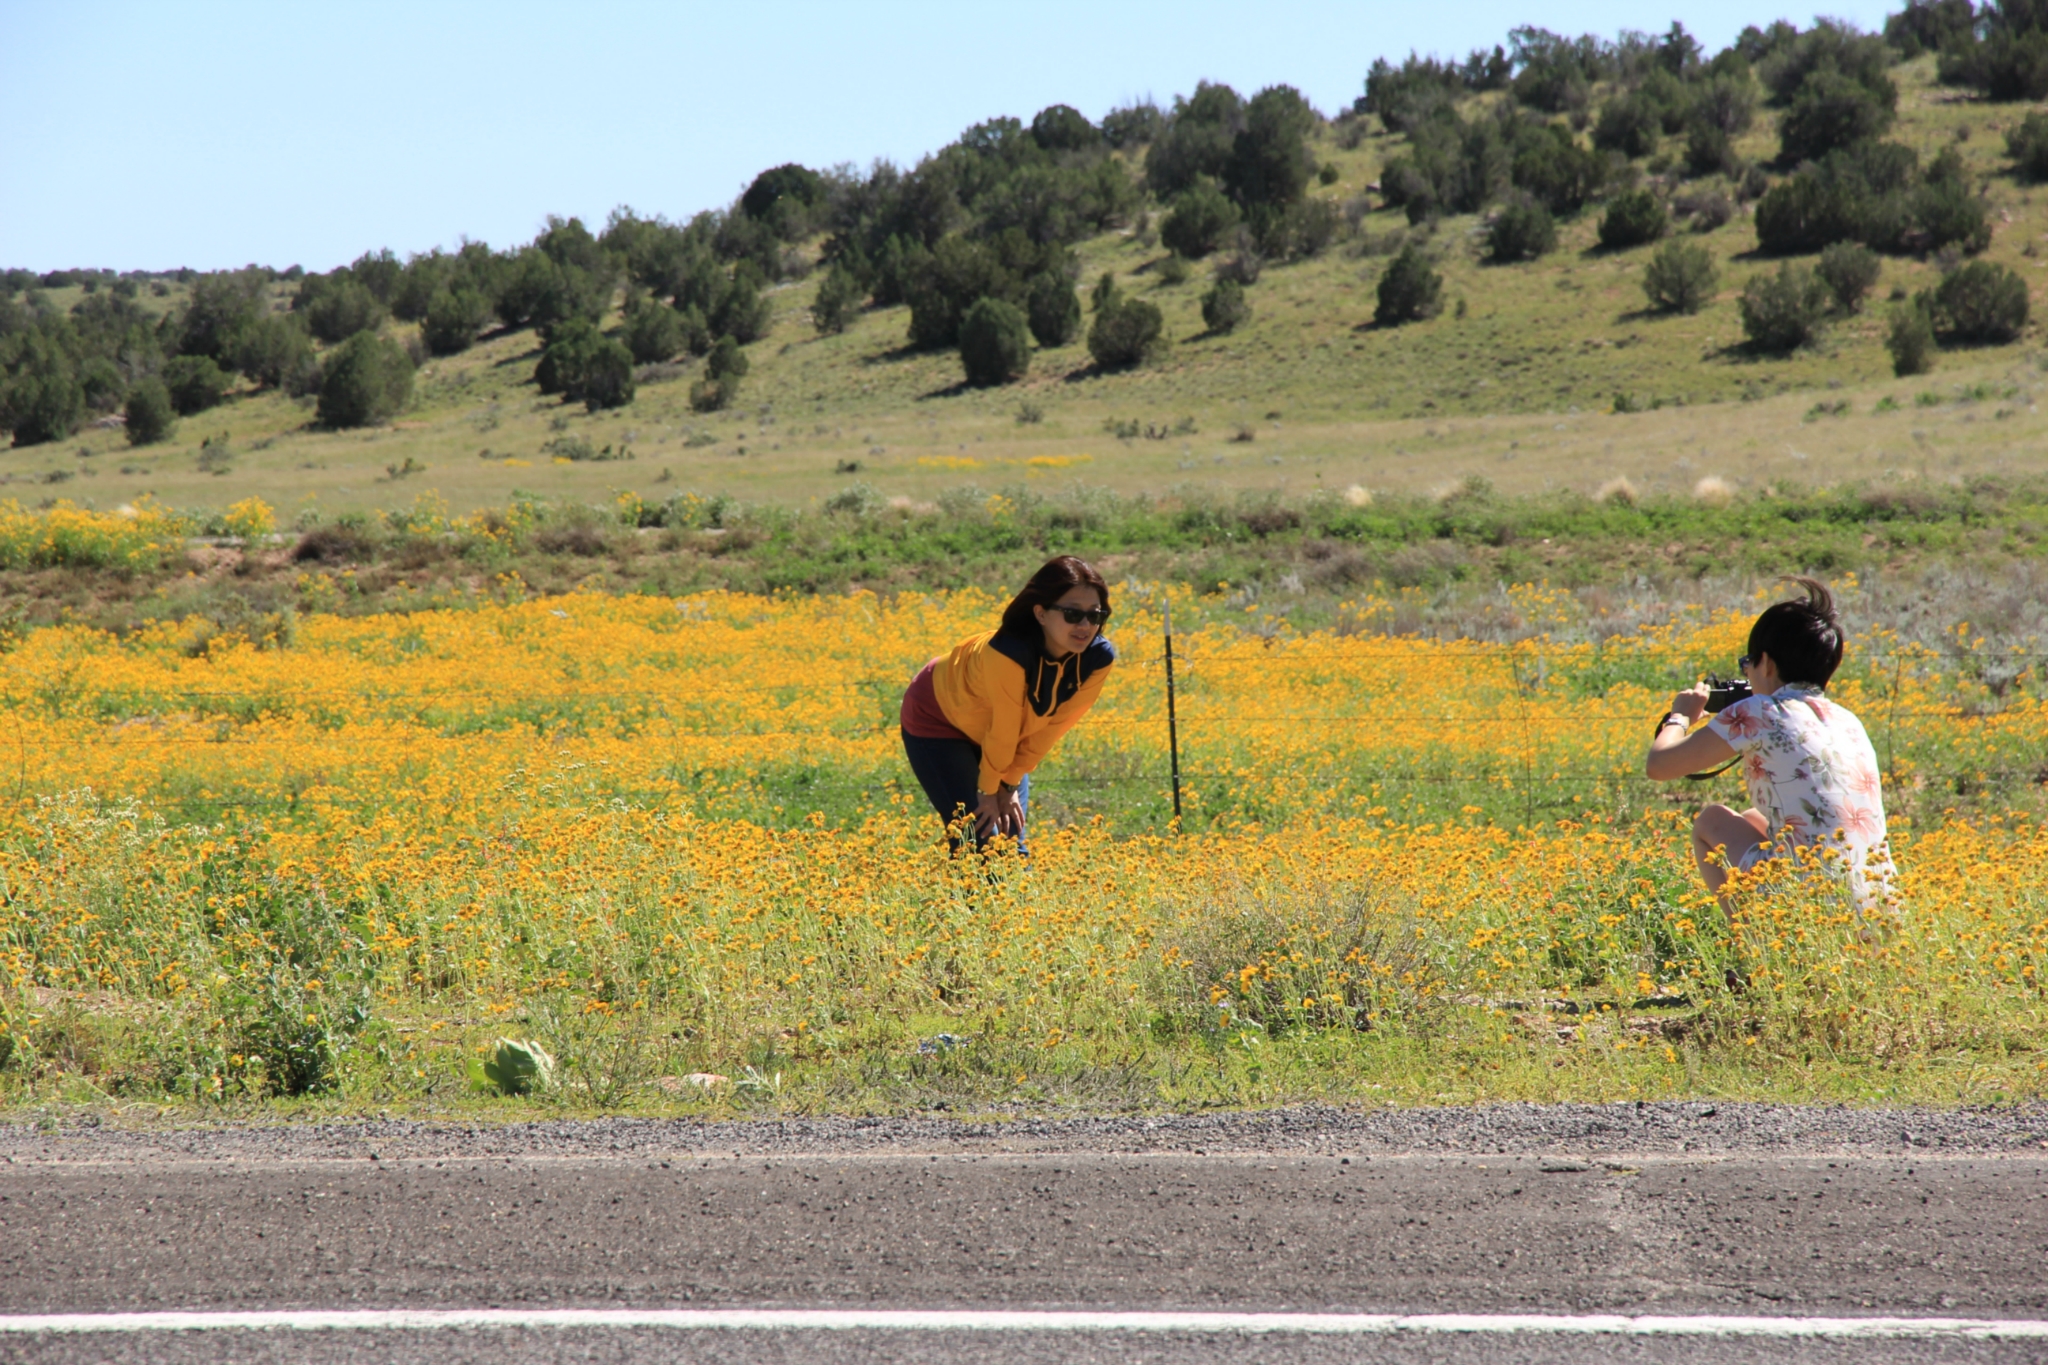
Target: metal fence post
column 1172, row 723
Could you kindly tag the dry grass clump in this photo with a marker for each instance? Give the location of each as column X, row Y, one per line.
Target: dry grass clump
column 1714, row 491
column 1619, row 489
column 1358, row 496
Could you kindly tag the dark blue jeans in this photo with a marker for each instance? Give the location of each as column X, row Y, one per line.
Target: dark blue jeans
column 949, row 770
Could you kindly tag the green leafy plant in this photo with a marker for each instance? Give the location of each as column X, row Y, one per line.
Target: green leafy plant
column 1225, row 307
column 1979, row 304
column 1520, row 232
column 1680, row 278
column 1783, row 312
column 1633, row 219
column 1910, row 340
column 515, row 1067
column 1849, row 271
column 150, row 415
column 1410, row 291
column 995, row 343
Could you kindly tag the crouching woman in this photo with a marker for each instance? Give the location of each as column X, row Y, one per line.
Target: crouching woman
column 977, row 719
column 1815, row 796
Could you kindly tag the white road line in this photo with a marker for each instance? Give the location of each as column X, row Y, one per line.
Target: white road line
column 970, row 1320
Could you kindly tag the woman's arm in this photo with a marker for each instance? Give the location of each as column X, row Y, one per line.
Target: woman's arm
column 1031, row 751
column 1674, row 753
column 1003, row 679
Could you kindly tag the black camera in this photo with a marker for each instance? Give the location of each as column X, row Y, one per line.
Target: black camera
column 1723, row 693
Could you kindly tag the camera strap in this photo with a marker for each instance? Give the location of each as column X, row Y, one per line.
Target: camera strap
column 1715, row 772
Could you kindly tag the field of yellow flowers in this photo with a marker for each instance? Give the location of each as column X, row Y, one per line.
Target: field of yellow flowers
column 667, row 839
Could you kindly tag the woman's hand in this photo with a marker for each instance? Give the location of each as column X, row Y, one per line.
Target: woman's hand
column 1691, row 703
column 997, row 812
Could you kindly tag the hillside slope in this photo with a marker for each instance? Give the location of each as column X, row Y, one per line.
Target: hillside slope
column 1517, row 381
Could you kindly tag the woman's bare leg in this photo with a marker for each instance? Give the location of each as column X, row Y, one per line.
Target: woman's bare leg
column 1728, row 832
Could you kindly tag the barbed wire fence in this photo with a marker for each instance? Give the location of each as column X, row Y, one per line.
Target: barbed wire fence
column 139, row 719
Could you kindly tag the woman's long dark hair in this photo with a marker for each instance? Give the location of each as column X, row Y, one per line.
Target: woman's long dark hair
column 1046, row 587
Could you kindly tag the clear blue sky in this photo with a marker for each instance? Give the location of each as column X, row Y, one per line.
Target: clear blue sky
column 160, row 133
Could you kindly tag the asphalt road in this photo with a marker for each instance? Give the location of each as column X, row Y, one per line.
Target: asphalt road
column 1496, row 1212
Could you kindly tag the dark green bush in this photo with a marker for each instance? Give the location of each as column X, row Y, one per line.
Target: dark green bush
column 41, row 398
column 726, row 360
column 2010, row 64
column 1196, row 141
column 607, row 379
column 785, row 198
column 1133, row 125
column 101, row 385
column 221, row 307
column 1875, row 193
column 1931, row 26
column 274, row 351
column 1708, row 151
column 1629, row 125
column 1410, row 290
column 560, row 369
column 1910, row 339
column 342, row 309
column 1125, row 332
column 2027, row 145
column 995, row 343
column 584, row 365
column 1829, row 112
column 1848, row 271
column 420, row 283
column 195, row 383
column 1680, row 278
column 940, row 285
column 654, row 332
column 151, row 418
column 1270, row 162
column 1980, row 304
column 1548, row 162
column 1725, row 102
column 1520, row 232
column 1225, row 307
column 837, row 302
column 454, row 318
column 1783, row 312
column 1201, row 221
column 742, row 313
column 697, row 336
column 1063, row 128
column 1053, row 309
column 1633, row 219
column 714, row 395
column 368, row 379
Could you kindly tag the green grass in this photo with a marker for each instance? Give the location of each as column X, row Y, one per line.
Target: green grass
column 1309, row 552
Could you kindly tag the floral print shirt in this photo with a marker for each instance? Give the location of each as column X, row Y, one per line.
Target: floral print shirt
column 1812, row 772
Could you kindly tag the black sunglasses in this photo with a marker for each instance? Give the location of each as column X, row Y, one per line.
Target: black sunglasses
column 1744, row 662
column 1095, row 616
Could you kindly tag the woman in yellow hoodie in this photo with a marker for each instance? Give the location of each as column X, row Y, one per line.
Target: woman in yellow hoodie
column 978, row 719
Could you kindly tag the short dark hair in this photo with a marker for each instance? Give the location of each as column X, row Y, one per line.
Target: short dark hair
column 1804, row 639
column 1046, row 587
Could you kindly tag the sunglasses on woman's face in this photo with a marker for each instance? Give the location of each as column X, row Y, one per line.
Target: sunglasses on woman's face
column 1094, row 616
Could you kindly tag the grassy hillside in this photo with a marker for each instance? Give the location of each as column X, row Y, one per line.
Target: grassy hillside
column 1516, row 382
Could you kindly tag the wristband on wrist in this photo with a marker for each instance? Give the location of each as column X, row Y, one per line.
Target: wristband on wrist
column 1670, row 717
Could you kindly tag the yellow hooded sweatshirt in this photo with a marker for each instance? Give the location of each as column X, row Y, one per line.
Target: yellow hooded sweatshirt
column 1002, row 692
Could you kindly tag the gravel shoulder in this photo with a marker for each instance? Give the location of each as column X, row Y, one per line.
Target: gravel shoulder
column 1692, row 1129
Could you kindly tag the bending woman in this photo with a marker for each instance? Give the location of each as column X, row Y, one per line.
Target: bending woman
column 978, row 719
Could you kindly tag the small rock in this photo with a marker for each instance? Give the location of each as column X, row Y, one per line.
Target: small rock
column 696, row 1080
